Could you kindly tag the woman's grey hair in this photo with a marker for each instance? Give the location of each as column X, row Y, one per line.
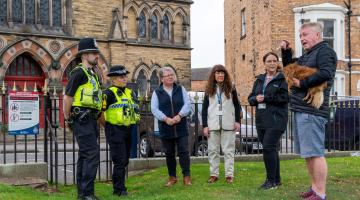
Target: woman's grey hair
column 316, row 26
column 163, row 69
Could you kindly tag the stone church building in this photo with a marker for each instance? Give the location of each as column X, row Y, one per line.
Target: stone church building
column 38, row 40
column 255, row 27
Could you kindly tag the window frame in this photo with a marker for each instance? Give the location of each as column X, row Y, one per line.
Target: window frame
column 317, row 12
column 36, row 16
column 152, row 23
column 142, row 25
column 243, row 23
column 163, row 29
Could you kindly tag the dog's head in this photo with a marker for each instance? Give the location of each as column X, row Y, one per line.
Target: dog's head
column 290, row 69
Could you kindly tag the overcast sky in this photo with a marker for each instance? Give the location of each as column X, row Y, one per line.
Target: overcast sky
column 207, row 33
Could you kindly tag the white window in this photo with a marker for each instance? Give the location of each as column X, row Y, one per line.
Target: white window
column 328, row 32
column 358, row 86
column 339, row 83
column 331, row 16
column 243, row 23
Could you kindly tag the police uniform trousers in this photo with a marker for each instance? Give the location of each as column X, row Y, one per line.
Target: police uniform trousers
column 119, row 139
column 86, row 133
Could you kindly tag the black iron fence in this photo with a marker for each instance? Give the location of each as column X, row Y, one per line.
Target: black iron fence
column 56, row 145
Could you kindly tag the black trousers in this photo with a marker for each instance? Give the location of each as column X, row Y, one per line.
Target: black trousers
column 270, row 140
column 86, row 133
column 181, row 143
column 119, row 139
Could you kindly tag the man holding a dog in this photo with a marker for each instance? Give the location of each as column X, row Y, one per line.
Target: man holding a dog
column 309, row 122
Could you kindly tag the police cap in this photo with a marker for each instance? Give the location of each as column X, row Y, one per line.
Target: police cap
column 118, row 70
column 87, row 45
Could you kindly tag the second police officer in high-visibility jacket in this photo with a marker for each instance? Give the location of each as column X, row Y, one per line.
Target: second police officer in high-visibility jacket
column 82, row 105
column 120, row 113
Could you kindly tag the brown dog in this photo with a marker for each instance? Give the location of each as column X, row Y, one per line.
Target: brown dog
column 315, row 95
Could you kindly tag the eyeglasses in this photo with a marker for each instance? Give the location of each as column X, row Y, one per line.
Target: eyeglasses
column 219, row 72
column 271, row 61
column 169, row 75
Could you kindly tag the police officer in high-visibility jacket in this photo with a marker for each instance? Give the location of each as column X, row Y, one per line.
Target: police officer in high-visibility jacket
column 120, row 113
column 82, row 105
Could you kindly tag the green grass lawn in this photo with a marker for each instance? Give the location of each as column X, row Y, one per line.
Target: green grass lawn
column 343, row 183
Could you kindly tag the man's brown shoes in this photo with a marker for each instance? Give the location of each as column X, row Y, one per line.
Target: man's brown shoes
column 172, row 180
column 187, row 181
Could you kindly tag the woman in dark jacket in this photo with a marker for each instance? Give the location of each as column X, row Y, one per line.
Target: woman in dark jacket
column 270, row 96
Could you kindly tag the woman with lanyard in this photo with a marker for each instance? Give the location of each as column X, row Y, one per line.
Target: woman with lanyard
column 270, row 96
column 221, row 114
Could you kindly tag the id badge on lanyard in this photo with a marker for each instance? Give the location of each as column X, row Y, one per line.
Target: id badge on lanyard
column 262, row 105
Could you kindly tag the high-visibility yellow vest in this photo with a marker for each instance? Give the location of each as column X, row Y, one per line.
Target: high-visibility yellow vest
column 124, row 111
column 89, row 94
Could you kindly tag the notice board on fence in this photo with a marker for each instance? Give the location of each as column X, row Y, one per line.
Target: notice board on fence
column 23, row 112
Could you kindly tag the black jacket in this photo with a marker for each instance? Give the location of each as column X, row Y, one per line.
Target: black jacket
column 276, row 98
column 322, row 57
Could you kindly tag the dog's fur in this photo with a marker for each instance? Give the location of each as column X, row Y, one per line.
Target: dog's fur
column 315, row 95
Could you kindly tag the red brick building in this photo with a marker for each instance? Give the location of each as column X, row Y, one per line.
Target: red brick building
column 255, row 27
column 199, row 77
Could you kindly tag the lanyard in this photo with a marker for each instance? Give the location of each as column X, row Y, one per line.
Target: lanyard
column 218, row 98
column 218, row 95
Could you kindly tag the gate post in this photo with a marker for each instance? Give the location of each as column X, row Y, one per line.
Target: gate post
column 45, row 124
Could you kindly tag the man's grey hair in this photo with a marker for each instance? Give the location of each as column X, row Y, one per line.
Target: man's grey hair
column 316, row 26
column 163, row 69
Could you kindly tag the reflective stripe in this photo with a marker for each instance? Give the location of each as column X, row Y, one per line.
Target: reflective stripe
column 122, row 112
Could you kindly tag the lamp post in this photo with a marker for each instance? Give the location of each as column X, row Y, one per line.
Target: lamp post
column 349, row 14
column 302, row 12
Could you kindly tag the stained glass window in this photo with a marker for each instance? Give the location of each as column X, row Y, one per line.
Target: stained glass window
column 24, row 65
column 142, row 25
column 154, row 27
column 44, row 12
column 3, row 11
column 165, row 29
column 141, row 83
column 17, row 11
column 56, row 9
column 154, row 81
column 30, row 11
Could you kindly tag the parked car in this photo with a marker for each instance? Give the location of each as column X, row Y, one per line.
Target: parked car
column 150, row 143
column 342, row 132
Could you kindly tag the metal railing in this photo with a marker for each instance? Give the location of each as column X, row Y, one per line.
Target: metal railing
column 56, row 145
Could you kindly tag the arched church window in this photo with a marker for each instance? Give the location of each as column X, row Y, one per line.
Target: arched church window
column 141, row 83
column 3, row 11
column 44, row 12
column 24, row 65
column 142, row 25
column 165, row 29
column 56, row 10
column 17, row 11
column 30, row 11
column 154, row 81
column 154, row 27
